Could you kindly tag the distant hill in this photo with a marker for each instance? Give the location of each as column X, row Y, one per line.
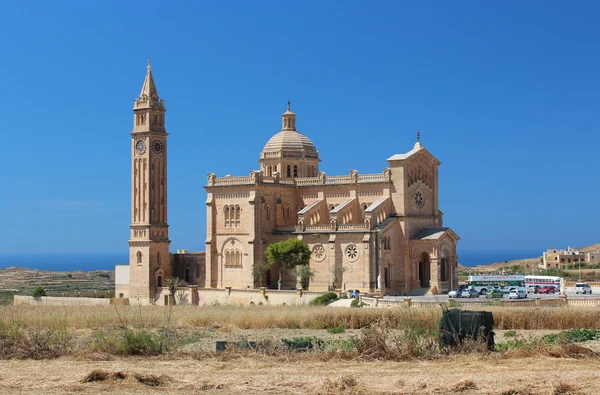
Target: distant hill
column 22, row 281
column 593, row 247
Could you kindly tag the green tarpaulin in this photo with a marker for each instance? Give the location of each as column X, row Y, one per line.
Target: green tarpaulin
column 457, row 325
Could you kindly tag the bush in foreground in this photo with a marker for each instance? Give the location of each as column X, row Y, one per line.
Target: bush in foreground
column 324, row 299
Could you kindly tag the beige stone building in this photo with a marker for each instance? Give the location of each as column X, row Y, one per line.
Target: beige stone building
column 366, row 231
column 559, row 259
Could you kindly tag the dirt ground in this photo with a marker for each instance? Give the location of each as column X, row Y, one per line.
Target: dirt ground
column 260, row 374
column 248, row 372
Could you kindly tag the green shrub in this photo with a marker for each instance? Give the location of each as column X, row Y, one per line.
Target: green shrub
column 324, row 299
column 510, row 333
column 38, row 292
column 356, row 303
column 510, row 345
column 143, row 343
column 337, row 329
column 573, row 336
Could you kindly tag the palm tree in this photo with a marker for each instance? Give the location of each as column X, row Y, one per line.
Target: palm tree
column 173, row 284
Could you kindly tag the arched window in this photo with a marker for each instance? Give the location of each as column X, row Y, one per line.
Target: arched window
column 186, row 274
column 268, row 212
column 295, row 171
column 238, row 211
column 238, row 261
column 159, row 278
column 139, row 257
column 227, row 258
column 158, row 258
column 289, row 171
column 226, row 215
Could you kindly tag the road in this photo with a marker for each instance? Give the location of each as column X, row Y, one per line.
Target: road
column 444, row 298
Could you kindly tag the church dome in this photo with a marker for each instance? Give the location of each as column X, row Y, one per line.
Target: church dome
column 289, row 143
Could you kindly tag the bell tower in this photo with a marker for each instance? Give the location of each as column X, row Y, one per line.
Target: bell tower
column 149, row 238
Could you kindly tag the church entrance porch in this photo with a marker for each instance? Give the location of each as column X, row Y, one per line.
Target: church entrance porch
column 424, row 270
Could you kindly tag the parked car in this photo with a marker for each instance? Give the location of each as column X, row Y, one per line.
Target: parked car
column 547, row 290
column 458, row 292
column 583, row 288
column 517, row 294
column 494, row 293
column 533, row 289
column 469, row 293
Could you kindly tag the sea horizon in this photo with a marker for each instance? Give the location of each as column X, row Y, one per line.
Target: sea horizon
column 107, row 260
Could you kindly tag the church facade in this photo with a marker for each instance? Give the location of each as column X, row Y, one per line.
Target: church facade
column 373, row 232
column 365, row 231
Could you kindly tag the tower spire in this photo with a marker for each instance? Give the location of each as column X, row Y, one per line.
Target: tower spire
column 149, row 90
column 289, row 118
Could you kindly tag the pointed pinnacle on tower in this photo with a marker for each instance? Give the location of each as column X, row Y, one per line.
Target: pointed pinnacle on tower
column 149, row 88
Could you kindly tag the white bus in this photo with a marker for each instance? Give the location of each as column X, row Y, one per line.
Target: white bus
column 504, row 282
column 543, row 281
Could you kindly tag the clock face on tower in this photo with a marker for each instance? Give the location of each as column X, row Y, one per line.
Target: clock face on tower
column 140, row 147
column 419, row 200
column 157, row 146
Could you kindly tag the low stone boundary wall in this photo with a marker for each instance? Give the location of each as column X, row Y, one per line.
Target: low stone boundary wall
column 83, row 294
column 211, row 296
column 60, row 301
column 408, row 302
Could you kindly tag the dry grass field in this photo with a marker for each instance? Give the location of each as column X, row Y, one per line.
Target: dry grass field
column 246, row 374
column 133, row 349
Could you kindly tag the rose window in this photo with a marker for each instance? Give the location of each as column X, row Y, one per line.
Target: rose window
column 419, row 199
column 318, row 252
column 352, row 252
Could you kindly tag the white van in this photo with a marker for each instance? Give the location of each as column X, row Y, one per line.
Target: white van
column 583, row 288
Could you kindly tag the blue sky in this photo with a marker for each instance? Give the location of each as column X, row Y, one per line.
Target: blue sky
column 505, row 94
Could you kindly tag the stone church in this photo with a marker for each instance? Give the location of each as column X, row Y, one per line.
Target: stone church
column 372, row 232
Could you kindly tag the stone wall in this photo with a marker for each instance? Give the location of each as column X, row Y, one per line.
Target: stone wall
column 195, row 262
column 212, row 296
column 60, row 301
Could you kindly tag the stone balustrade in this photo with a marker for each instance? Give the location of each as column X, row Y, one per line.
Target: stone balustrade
column 234, row 180
column 366, row 178
column 322, row 227
column 307, row 181
column 338, row 180
column 258, row 177
column 351, row 226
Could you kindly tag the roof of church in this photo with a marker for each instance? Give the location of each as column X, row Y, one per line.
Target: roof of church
column 418, row 147
column 430, row 234
column 290, row 140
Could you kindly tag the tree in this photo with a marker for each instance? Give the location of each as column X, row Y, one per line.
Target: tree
column 38, row 292
column 258, row 271
column 287, row 255
column 305, row 274
column 173, row 284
